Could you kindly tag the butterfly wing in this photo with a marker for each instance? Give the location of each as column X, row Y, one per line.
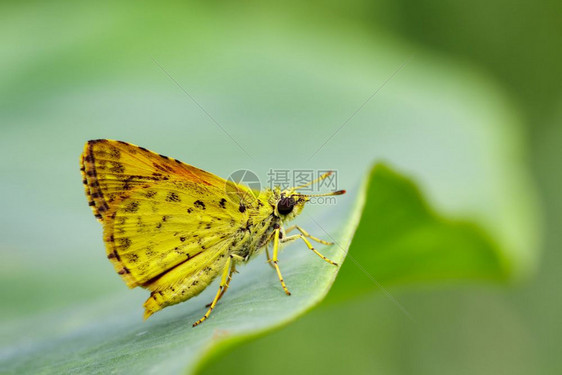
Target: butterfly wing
column 157, row 212
column 111, row 169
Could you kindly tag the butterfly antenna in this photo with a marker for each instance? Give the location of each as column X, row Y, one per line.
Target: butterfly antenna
column 338, row 192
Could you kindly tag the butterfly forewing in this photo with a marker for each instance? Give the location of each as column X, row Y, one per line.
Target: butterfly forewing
column 158, row 214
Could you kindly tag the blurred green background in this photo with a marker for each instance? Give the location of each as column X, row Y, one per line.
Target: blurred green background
column 468, row 100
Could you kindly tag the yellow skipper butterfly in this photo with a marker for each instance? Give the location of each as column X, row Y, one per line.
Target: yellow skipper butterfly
column 172, row 228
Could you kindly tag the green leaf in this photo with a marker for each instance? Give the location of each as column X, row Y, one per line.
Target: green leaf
column 109, row 335
column 400, row 239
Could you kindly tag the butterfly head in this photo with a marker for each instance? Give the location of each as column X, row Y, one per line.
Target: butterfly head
column 290, row 202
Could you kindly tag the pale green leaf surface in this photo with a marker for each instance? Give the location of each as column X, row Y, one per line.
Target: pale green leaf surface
column 109, row 335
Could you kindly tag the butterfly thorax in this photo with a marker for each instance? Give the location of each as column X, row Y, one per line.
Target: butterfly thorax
column 265, row 215
column 252, row 237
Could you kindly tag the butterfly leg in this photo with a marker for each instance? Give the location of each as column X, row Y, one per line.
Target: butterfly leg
column 275, row 259
column 232, row 270
column 268, row 257
column 222, row 287
column 308, row 244
column 306, row 234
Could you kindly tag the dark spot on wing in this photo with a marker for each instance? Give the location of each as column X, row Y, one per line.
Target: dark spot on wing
column 125, row 243
column 115, row 153
column 222, row 203
column 117, row 168
column 124, row 271
column 132, row 207
column 173, row 197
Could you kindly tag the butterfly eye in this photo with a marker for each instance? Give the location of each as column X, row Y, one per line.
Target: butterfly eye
column 285, row 205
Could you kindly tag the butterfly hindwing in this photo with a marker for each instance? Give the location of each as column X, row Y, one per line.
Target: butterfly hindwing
column 186, row 280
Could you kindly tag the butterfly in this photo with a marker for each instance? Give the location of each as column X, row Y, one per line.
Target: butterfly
column 173, row 228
